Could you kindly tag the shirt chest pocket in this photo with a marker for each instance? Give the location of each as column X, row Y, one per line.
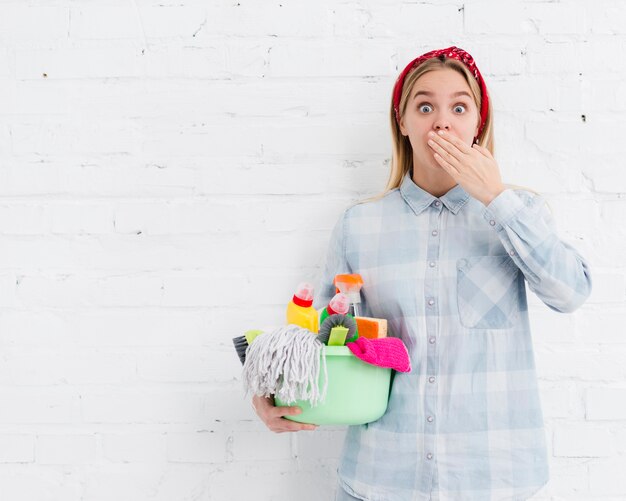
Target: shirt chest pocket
column 487, row 292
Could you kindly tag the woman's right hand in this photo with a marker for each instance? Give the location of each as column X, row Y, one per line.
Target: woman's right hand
column 273, row 416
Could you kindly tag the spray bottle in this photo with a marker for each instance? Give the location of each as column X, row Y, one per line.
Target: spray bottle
column 350, row 285
column 340, row 303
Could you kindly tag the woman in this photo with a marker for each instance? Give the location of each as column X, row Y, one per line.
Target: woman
column 444, row 253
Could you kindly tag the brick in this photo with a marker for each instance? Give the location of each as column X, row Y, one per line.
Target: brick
column 582, row 439
column 37, row 405
column 605, row 403
column 200, row 447
column 66, row 449
column 53, row 366
column 109, row 21
column 45, row 482
column 36, row 23
column 262, row 446
column 79, row 62
column 141, row 406
column 197, row 365
column 134, row 447
column 17, row 448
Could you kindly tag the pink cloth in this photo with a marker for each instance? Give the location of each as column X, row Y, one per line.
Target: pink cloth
column 384, row 352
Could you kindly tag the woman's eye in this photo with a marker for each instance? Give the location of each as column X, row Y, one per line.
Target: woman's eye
column 459, row 106
column 422, row 106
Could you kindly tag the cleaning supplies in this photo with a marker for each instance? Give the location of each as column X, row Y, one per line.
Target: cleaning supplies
column 321, row 362
column 300, row 309
column 350, row 284
column 371, row 328
column 242, row 342
column 336, row 328
column 286, row 362
column 340, row 303
column 388, row 352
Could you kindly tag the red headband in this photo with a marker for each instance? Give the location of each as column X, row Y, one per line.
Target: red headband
column 454, row 53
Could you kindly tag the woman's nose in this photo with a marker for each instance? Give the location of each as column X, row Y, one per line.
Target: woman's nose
column 442, row 121
column 442, row 125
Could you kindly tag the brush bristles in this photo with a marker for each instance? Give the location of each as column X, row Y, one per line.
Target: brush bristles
column 333, row 321
column 241, row 345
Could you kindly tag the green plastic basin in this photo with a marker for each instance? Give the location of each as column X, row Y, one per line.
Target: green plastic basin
column 357, row 392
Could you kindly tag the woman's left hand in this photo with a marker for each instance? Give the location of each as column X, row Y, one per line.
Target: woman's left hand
column 474, row 168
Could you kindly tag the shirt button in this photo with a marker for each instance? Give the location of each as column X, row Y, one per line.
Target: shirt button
column 512, row 253
column 431, row 379
column 437, row 203
column 431, row 340
column 431, row 302
column 432, row 264
column 492, row 222
column 434, row 233
column 429, row 455
column 430, row 419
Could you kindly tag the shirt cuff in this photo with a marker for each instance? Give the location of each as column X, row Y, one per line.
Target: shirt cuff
column 503, row 208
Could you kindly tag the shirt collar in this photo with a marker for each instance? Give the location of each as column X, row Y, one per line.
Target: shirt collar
column 418, row 199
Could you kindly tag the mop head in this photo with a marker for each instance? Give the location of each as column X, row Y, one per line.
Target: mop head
column 286, row 362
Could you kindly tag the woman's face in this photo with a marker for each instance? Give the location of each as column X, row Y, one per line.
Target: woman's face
column 434, row 105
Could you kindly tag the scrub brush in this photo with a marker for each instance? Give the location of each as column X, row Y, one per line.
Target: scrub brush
column 336, row 328
column 242, row 342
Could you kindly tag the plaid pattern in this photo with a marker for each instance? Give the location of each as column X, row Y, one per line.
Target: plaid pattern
column 487, row 292
column 449, row 275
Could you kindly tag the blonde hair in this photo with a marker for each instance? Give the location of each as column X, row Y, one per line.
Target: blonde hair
column 402, row 152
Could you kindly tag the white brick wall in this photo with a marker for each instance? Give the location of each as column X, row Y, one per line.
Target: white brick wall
column 169, row 170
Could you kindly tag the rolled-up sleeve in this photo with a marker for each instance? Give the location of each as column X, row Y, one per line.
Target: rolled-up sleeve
column 335, row 263
column 555, row 271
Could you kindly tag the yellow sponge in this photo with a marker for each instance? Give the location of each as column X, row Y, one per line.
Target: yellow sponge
column 372, row 328
column 337, row 336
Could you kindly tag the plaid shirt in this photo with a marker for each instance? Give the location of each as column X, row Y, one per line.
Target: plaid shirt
column 448, row 274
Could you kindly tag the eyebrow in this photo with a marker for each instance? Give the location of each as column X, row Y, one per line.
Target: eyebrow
column 430, row 94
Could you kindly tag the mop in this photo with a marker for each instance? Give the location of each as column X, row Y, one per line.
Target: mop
column 286, row 362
